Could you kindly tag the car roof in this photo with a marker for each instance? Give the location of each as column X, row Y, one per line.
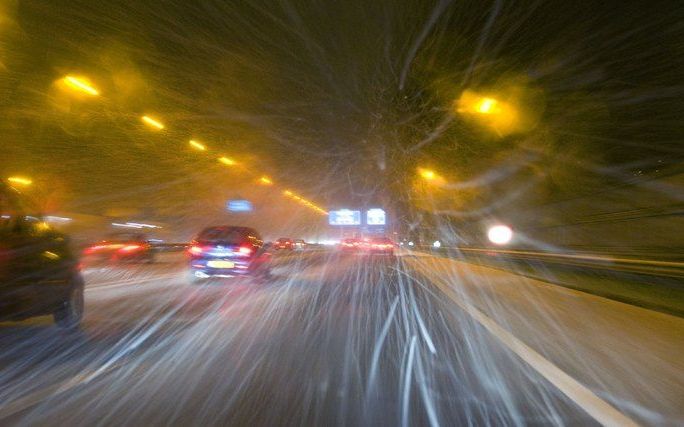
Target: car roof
column 15, row 200
column 238, row 228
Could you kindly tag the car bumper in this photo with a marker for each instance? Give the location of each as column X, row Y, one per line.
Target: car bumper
column 202, row 269
column 381, row 252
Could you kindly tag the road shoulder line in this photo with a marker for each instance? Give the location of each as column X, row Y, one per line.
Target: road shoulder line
column 597, row 408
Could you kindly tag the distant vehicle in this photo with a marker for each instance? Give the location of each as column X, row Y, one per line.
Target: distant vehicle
column 284, row 243
column 350, row 245
column 299, row 244
column 228, row 251
column 380, row 245
column 124, row 246
column 39, row 273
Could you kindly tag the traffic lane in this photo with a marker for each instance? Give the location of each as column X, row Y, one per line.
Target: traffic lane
column 628, row 355
column 350, row 340
column 125, row 322
column 35, row 355
column 129, row 307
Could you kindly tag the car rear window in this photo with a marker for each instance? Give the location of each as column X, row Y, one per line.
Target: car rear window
column 227, row 235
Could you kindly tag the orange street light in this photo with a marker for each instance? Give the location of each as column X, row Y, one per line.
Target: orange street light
column 80, row 84
column 197, row 145
column 20, row 180
column 430, row 176
column 227, row 161
column 152, row 122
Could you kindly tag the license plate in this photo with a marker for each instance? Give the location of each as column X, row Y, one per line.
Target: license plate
column 220, row 264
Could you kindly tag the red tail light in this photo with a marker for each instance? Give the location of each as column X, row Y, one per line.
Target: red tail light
column 195, row 250
column 244, row 251
column 130, row 248
column 96, row 248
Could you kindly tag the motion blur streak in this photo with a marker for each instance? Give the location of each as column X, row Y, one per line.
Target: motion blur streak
column 81, row 84
column 152, row 122
column 386, row 212
column 324, row 343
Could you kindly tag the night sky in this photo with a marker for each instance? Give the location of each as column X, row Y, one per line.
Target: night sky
column 341, row 101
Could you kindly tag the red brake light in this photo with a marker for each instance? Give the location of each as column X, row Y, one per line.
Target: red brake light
column 130, row 248
column 195, row 250
column 95, row 248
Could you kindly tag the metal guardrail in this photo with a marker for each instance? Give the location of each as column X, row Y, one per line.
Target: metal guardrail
column 603, row 261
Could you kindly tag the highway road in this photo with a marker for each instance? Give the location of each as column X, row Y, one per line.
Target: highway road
column 339, row 339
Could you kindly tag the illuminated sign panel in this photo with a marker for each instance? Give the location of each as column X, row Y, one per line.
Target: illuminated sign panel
column 344, row 217
column 239, row 206
column 375, row 217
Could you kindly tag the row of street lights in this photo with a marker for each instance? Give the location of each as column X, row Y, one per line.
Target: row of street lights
column 83, row 85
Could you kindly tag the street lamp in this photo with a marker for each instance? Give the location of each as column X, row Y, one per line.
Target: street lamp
column 227, row 161
column 152, row 122
column 500, row 234
column 197, row 145
column 427, row 174
column 502, row 117
column 80, row 84
column 264, row 180
column 18, row 180
column 430, row 176
column 486, row 105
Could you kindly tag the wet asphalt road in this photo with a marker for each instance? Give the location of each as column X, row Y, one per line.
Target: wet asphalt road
column 332, row 339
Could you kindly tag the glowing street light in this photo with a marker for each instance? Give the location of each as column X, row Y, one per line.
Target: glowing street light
column 264, row 180
column 20, row 180
column 504, row 117
column 152, row 122
column 431, row 176
column 80, row 84
column 197, row 145
column 486, row 106
column 305, row 202
column 500, row 234
column 227, row 161
column 427, row 174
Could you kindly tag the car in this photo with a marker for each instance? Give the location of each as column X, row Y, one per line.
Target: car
column 299, row 244
column 350, row 245
column 284, row 243
column 39, row 273
column 380, row 245
column 228, row 251
column 123, row 246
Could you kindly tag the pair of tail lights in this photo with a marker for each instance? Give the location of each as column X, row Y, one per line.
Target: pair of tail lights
column 197, row 250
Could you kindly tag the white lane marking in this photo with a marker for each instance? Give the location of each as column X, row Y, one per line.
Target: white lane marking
column 597, row 408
